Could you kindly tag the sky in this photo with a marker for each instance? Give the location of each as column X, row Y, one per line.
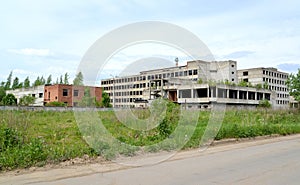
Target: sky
column 39, row 38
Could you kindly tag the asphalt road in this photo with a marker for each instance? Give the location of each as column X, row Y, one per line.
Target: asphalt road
column 275, row 161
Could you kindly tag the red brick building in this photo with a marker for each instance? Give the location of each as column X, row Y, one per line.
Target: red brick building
column 69, row 94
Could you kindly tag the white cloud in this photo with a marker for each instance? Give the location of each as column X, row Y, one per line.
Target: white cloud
column 31, row 52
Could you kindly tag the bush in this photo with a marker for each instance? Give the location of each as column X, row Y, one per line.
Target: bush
column 264, row 104
column 27, row 100
column 9, row 99
column 56, row 104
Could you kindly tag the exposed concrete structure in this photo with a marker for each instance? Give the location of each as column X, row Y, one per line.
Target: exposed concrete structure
column 197, row 84
column 205, row 95
column 274, row 79
column 136, row 90
column 37, row 92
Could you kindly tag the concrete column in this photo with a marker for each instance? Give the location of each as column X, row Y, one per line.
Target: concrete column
column 208, row 92
column 238, row 95
column 263, row 96
column 149, row 90
column 247, row 95
column 227, row 93
column 161, row 87
column 216, row 92
column 255, row 96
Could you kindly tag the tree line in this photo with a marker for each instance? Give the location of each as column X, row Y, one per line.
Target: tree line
column 12, row 84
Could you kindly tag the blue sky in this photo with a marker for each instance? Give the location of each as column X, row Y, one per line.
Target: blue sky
column 51, row 36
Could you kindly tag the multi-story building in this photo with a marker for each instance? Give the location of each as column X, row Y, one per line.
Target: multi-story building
column 197, row 84
column 136, row 90
column 37, row 92
column 272, row 78
column 71, row 95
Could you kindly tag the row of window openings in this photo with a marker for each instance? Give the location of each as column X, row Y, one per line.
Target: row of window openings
column 282, row 95
column 132, row 86
column 269, row 73
column 130, row 93
column 152, row 77
column 40, row 95
column 75, row 92
column 281, row 82
column 274, row 88
column 66, row 93
column 125, row 100
column 281, row 102
column 273, row 74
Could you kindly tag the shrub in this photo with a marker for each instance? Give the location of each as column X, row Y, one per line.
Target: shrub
column 9, row 99
column 264, row 104
column 56, row 104
column 27, row 100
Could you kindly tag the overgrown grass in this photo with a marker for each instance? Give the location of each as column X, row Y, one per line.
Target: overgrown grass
column 34, row 138
column 29, row 138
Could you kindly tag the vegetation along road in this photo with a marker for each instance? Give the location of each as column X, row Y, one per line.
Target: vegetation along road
column 271, row 161
column 39, row 138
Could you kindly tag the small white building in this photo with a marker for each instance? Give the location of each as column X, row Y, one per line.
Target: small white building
column 37, row 92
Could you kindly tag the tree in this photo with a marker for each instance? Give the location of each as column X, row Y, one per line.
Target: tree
column 78, row 80
column 27, row 100
column 2, row 93
column 66, row 78
column 105, row 100
column 293, row 84
column 87, row 100
column 26, row 82
column 21, row 85
column 61, row 80
column 9, row 99
column 37, row 82
column 42, row 81
column 49, row 79
column 15, row 84
column 8, row 82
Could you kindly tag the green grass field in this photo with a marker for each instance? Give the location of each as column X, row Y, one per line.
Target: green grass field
column 35, row 138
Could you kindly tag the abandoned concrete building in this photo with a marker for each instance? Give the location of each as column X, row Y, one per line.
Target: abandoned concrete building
column 36, row 92
column 275, row 80
column 198, row 84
